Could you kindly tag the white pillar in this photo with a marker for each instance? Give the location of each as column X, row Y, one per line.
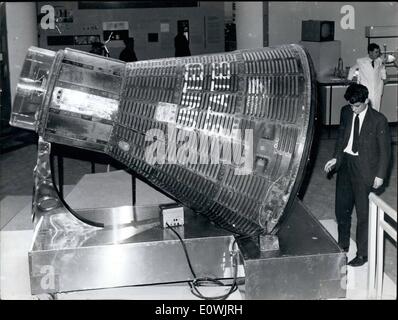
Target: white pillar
column 249, row 24
column 21, row 34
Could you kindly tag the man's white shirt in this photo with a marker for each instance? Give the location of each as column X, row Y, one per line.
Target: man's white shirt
column 361, row 116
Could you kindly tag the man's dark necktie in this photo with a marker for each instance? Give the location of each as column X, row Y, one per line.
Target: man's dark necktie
column 373, row 63
column 355, row 141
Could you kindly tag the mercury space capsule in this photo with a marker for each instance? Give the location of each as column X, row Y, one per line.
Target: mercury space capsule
column 227, row 135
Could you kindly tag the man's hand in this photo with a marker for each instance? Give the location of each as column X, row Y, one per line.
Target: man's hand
column 377, row 183
column 330, row 164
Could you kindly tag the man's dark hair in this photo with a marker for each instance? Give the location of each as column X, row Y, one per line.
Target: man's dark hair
column 356, row 93
column 128, row 42
column 372, row 47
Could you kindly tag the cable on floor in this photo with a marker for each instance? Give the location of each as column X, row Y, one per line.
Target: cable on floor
column 197, row 282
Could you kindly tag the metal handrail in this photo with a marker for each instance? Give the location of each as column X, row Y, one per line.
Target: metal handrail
column 377, row 226
column 383, row 205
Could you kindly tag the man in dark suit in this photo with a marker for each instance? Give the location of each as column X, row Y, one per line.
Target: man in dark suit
column 361, row 158
column 181, row 45
column 128, row 53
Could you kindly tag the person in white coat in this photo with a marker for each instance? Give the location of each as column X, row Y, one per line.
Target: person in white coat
column 370, row 72
column 395, row 59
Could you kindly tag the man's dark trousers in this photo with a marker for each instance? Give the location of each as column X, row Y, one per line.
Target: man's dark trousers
column 351, row 189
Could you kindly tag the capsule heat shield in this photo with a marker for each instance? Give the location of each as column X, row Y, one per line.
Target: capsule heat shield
column 227, row 135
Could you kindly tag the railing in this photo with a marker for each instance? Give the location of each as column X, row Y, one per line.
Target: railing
column 377, row 226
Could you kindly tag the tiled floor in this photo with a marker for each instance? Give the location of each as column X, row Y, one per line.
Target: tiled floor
column 16, row 180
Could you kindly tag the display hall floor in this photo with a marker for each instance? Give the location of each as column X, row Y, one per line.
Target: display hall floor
column 16, row 229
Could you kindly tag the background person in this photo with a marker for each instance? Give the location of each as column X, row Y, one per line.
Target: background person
column 371, row 73
column 395, row 55
column 181, row 45
column 128, row 53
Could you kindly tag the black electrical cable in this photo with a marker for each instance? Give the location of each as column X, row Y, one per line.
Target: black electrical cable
column 234, row 285
column 66, row 205
column 185, row 249
column 200, row 281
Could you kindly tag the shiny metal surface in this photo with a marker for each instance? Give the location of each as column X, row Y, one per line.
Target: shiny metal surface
column 70, row 252
column 51, row 213
column 68, row 255
column 257, row 105
column 32, row 88
column 45, row 197
column 309, row 265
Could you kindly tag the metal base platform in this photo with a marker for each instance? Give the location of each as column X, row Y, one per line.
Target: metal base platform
column 68, row 255
column 125, row 246
column 309, row 265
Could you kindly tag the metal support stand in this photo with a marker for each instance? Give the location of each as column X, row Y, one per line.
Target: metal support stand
column 70, row 252
column 133, row 189
column 308, row 265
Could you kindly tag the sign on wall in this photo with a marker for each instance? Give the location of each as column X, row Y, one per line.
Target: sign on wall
column 115, row 30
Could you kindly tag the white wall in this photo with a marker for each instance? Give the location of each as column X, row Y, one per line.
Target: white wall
column 285, row 23
column 249, row 25
column 21, row 34
column 228, row 11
